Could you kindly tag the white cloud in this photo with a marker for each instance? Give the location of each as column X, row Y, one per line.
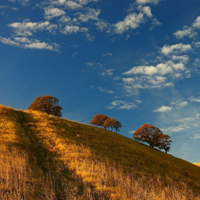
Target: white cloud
column 155, row 23
column 193, row 99
column 175, row 129
column 27, row 28
column 187, row 31
column 63, row 2
column 107, row 72
column 183, row 58
column 197, row 44
column 177, row 48
column 146, row 10
column 105, row 90
column 91, row 64
column 131, row 21
column 128, row 80
column 145, row 82
column 186, row 120
column 91, row 14
column 196, row 23
column 53, row 12
column 147, row 70
column 183, row 104
column 179, row 104
column 147, row 1
column 69, row 29
column 196, row 136
column 23, row 2
column 65, row 19
column 90, row 37
column 102, row 25
column 108, row 54
column 84, row 2
column 163, row 109
column 73, row 5
column 149, row 77
column 26, row 43
column 9, row 41
column 160, row 69
column 38, row 45
column 122, row 105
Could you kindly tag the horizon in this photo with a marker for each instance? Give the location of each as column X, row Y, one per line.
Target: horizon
column 134, row 60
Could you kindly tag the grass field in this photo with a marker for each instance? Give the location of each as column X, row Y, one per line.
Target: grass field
column 44, row 157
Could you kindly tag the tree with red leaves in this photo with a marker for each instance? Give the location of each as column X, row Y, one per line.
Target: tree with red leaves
column 153, row 136
column 99, row 120
column 112, row 123
column 47, row 104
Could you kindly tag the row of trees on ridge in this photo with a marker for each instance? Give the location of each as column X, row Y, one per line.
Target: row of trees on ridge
column 146, row 133
column 105, row 121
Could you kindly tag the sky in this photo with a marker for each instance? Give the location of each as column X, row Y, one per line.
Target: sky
column 137, row 61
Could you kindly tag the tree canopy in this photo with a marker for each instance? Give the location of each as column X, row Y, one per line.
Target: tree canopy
column 105, row 121
column 47, row 104
column 153, row 136
column 99, row 120
column 112, row 123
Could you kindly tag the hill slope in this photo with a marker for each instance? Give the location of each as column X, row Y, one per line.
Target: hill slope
column 45, row 157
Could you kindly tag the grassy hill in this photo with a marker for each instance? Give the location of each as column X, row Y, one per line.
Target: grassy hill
column 44, row 157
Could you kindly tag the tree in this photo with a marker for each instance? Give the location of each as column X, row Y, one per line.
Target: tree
column 47, row 104
column 112, row 123
column 99, row 120
column 117, row 125
column 109, row 123
column 165, row 142
column 153, row 136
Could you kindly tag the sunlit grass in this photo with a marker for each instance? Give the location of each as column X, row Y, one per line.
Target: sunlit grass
column 43, row 157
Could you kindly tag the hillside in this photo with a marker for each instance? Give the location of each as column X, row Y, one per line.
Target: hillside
column 44, row 157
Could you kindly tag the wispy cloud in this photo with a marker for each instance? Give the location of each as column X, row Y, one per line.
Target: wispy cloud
column 27, row 28
column 27, row 43
column 175, row 49
column 105, row 90
column 89, row 14
column 131, row 21
column 186, row 31
column 53, row 12
column 147, row 1
column 173, row 106
column 108, row 72
column 108, row 54
column 193, row 99
column 73, row 5
column 154, row 23
column 196, row 136
column 81, row 19
column 189, row 31
column 23, row 2
column 179, row 104
column 196, row 23
column 122, row 105
column 163, row 109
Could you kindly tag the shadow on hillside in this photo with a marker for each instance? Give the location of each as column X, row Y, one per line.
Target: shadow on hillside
column 65, row 182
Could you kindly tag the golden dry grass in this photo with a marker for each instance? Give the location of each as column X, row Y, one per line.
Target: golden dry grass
column 36, row 162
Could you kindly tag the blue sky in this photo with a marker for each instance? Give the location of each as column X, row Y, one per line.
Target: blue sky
column 137, row 61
